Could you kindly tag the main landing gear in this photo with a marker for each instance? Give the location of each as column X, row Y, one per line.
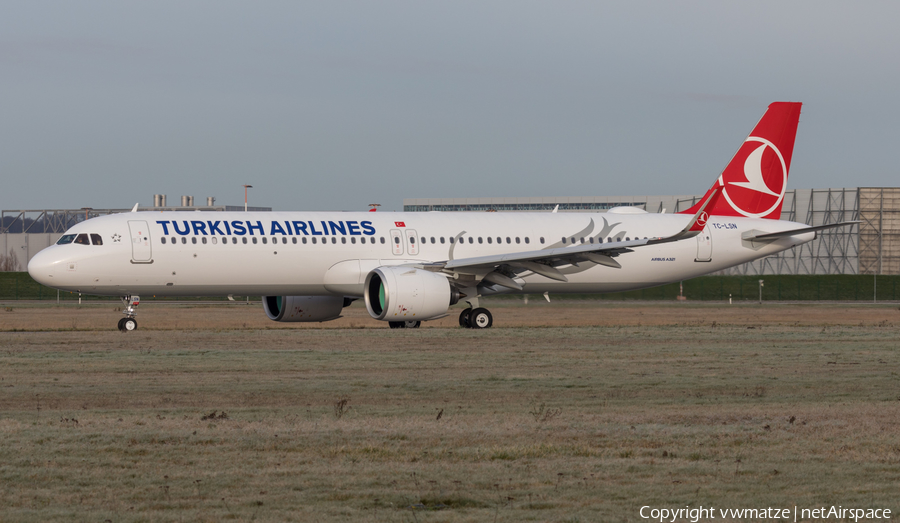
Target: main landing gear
column 477, row 318
column 404, row 324
column 128, row 323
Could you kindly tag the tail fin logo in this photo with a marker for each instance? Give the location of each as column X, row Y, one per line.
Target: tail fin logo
column 758, row 188
column 702, row 219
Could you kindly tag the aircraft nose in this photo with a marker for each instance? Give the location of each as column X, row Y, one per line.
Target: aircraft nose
column 43, row 266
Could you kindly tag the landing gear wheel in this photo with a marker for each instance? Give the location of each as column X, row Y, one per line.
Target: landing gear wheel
column 411, row 324
column 397, row 324
column 480, row 319
column 128, row 323
column 464, row 318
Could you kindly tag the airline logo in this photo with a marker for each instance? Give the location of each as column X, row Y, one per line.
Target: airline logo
column 285, row 228
column 400, row 224
column 755, row 181
column 702, row 219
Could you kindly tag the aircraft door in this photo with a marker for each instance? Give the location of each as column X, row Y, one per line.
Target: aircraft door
column 704, row 246
column 412, row 242
column 397, row 242
column 140, row 241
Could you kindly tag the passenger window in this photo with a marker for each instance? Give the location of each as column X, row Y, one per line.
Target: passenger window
column 96, row 239
column 215, row 240
column 82, row 239
column 618, row 239
column 194, row 240
column 382, row 240
column 542, row 239
column 254, row 240
column 499, row 240
column 313, row 240
column 304, row 240
column 234, row 239
column 264, row 239
column 609, row 239
column 450, row 239
column 294, row 240
column 490, row 240
column 162, row 240
column 573, row 239
column 517, row 239
column 564, row 241
column 352, row 240
column 471, row 239
column 244, row 239
column 508, row 240
column 283, row 240
column 479, row 240
column 433, row 240
column 333, row 239
column 442, row 239
column 183, row 240
column 591, row 239
column 203, row 240
column 343, row 239
column 527, row 240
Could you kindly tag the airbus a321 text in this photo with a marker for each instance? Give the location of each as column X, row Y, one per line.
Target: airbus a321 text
column 411, row 267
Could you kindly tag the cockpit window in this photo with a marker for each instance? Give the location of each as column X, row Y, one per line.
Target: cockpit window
column 67, row 238
column 96, row 239
column 82, row 239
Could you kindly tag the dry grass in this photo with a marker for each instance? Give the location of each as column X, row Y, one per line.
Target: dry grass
column 659, row 405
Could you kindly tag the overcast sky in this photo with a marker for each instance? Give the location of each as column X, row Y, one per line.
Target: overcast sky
column 335, row 105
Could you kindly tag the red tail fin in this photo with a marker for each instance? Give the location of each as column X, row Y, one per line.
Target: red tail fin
column 754, row 182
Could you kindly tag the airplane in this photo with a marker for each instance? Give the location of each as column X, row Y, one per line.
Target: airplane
column 412, row 267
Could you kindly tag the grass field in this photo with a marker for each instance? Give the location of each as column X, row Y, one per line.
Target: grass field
column 571, row 411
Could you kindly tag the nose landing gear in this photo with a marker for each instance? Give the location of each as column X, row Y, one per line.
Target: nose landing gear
column 128, row 323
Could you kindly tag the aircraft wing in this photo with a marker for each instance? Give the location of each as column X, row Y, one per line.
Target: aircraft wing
column 599, row 253
column 501, row 268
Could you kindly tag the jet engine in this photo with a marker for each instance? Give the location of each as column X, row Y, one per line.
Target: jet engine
column 407, row 294
column 304, row 308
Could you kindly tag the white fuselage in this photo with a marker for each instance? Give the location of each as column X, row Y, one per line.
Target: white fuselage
column 272, row 253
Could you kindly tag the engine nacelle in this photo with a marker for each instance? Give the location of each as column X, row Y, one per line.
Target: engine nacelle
column 407, row 294
column 303, row 308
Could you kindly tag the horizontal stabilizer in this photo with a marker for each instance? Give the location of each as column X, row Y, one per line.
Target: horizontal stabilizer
column 782, row 234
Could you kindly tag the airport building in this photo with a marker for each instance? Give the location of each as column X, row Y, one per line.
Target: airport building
column 872, row 247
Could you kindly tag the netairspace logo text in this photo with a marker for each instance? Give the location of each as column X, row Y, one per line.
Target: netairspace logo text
column 671, row 515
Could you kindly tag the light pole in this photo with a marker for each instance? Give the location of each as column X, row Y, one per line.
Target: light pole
column 245, row 195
